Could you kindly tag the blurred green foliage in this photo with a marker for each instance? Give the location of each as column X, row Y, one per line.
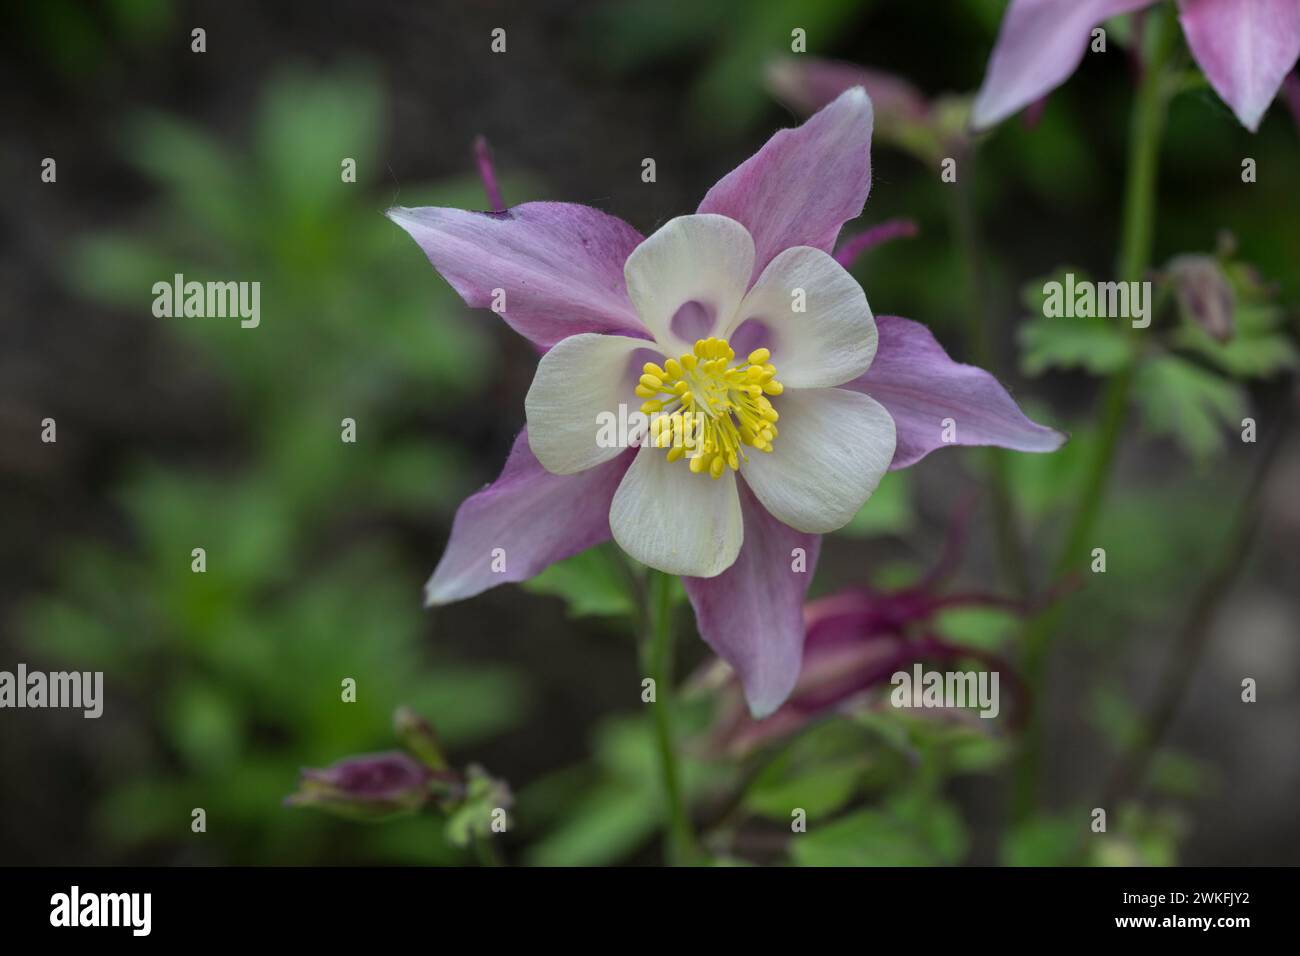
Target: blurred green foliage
column 236, row 672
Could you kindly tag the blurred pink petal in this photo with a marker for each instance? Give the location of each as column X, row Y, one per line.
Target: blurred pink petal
column 1040, row 43
column 1245, row 47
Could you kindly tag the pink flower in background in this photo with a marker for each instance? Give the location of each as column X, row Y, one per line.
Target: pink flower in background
column 1245, row 47
column 930, row 128
column 807, row 83
column 857, row 639
column 695, row 324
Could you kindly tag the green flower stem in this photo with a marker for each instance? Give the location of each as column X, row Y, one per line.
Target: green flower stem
column 658, row 660
column 1147, row 127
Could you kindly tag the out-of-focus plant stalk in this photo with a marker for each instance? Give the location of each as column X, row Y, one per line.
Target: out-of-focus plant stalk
column 1146, row 129
column 658, row 660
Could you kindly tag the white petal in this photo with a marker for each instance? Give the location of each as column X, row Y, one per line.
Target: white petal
column 829, row 343
column 579, row 380
column 831, row 452
column 679, row 522
column 702, row 258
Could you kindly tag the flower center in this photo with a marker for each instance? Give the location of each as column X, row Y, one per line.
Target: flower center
column 704, row 405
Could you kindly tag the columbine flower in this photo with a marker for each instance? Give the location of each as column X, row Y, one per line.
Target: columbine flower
column 1245, row 48
column 772, row 425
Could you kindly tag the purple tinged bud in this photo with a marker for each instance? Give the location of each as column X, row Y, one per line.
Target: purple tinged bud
column 1204, row 294
column 365, row 787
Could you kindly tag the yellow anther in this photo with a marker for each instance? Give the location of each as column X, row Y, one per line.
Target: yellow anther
column 711, row 407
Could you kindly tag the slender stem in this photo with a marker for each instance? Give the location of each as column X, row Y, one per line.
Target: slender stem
column 658, row 659
column 983, row 335
column 1147, row 127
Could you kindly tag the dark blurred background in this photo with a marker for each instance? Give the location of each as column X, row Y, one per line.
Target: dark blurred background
column 175, row 434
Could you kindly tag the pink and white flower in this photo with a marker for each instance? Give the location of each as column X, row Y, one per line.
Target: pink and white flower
column 1245, row 47
column 791, row 417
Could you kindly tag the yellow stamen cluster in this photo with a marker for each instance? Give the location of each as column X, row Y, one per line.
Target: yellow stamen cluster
column 703, row 405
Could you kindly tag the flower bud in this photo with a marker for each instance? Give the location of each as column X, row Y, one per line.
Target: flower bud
column 365, row 787
column 1205, row 295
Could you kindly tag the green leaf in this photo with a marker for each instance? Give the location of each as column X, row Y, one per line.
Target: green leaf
column 604, row 825
column 590, row 583
column 818, row 772
column 1256, row 350
column 910, row 833
column 1097, row 346
column 1046, row 840
column 1190, row 404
